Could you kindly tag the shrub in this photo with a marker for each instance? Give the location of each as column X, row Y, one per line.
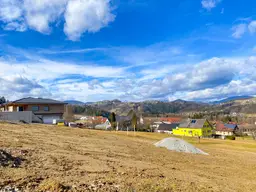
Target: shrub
column 231, row 137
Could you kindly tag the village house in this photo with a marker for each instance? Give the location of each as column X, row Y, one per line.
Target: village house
column 105, row 124
column 167, row 128
column 226, row 129
column 170, row 119
column 248, row 129
column 45, row 109
column 194, row 128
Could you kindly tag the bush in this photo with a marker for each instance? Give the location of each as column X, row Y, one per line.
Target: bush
column 231, row 137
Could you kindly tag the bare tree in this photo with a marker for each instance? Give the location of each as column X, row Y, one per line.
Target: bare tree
column 253, row 132
column 68, row 114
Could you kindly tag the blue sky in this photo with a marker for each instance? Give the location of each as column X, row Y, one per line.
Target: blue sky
column 131, row 50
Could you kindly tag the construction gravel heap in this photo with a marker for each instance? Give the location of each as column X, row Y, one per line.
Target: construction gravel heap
column 179, row 145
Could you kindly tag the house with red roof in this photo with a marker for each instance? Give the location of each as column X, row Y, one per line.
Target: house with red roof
column 226, row 129
column 171, row 119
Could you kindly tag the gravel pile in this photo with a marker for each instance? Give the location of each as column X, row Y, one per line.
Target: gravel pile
column 179, row 145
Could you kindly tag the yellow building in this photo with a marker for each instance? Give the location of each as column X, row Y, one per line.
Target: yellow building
column 194, row 128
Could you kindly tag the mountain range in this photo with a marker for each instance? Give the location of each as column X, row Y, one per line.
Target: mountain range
column 240, row 104
column 232, row 99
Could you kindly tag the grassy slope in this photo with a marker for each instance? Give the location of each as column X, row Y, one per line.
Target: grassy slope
column 78, row 158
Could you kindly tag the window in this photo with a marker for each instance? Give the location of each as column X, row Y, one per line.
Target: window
column 46, row 108
column 20, row 109
column 35, row 108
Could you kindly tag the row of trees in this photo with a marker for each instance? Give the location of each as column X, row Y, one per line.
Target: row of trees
column 133, row 122
column 218, row 117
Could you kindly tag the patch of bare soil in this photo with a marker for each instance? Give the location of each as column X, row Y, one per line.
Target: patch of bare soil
column 61, row 159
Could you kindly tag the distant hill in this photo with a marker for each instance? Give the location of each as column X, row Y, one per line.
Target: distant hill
column 74, row 102
column 232, row 99
column 149, row 107
column 240, row 104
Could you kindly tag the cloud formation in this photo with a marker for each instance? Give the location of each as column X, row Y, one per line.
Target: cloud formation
column 240, row 29
column 208, row 79
column 84, row 15
column 209, row 4
column 80, row 16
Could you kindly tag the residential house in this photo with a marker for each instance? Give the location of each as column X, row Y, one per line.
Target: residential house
column 2, row 108
column 46, row 109
column 226, row 129
column 170, row 119
column 165, row 120
column 167, row 128
column 104, row 125
column 247, row 128
column 194, row 128
column 155, row 125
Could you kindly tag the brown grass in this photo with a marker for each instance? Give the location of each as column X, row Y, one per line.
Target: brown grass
column 65, row 159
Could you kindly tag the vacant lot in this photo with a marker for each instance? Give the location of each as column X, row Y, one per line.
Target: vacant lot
column 63, row 159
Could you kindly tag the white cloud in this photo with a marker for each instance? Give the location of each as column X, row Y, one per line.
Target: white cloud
column 209, row 4
column 209, row 79
column 10, row 10
column 235, row 87
column 86, row 15
column 239, row 30
column 17, row 86
column 80, row 15
column 252, row 27
column 15, row 26
column 49, row 70
column 212, row 78
column 48, row 78
column 39, row 14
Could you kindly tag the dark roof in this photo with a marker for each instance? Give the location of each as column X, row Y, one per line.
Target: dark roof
column 230, row 126
column 192, row 123
column 168, row 127
column 247, row 126
column 227, row 127
column 123, row 118
column 32, row 100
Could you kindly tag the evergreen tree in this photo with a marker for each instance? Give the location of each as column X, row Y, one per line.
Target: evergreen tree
column 2, row 100
column 197, row 116
column 134, row 120
column 112, row 119
column 227, row 119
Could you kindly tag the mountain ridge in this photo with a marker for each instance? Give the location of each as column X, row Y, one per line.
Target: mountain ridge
column 231, row 105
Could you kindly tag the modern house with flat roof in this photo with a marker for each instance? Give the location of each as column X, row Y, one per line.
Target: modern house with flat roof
column 45, row 109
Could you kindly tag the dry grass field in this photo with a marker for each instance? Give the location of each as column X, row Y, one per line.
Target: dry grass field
column 68, row 159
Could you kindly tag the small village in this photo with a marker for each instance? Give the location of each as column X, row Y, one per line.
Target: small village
column 47, row 146
column 48, row 111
